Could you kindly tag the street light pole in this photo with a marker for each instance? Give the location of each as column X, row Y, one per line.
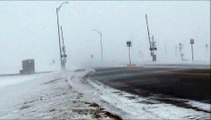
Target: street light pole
column 101, row 42
column 58, row 27
column 59, row 36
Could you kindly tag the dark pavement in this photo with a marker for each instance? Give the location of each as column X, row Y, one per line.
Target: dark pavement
column 186, row 82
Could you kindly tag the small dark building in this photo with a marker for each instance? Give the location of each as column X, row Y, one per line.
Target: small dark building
column 28, row 66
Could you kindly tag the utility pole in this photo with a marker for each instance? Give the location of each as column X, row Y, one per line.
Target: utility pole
column 192, row 42
column 152, row 45
column 101, row 42
column 64, row 56
column 129, row 44
column 58, row 27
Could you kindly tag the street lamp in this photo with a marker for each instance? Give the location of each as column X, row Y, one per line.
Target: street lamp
column 101, row 44
column 58, row 27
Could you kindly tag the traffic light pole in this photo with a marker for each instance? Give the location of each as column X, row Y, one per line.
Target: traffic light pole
column 152, row 45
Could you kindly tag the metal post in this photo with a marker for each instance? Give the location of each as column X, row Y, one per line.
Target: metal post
column 192, row 42
column 129, row 44
column 192, row 51
column 129, row 55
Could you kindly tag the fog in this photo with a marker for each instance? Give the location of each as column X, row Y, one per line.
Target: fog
column 28, row 30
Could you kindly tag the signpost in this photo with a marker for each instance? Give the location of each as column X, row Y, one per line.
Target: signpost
column 129, row 44
column 192, row 42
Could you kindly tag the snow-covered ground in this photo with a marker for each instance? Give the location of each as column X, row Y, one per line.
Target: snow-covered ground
column 48, row 97
column 71, row 94
column 11, row 80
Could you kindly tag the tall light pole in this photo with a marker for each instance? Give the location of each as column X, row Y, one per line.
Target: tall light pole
column 101, row 43
column 58, row 27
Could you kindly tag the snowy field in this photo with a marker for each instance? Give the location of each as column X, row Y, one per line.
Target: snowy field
column 71, row 94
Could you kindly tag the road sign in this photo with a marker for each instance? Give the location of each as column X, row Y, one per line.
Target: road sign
column 129, row 44
column 191, row 41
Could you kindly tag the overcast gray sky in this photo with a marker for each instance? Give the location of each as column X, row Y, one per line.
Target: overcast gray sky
column 29, row 30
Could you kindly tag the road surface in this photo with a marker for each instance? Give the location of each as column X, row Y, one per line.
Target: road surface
column 160, row 81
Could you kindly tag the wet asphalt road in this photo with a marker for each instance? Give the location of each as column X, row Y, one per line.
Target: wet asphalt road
column 187, row 82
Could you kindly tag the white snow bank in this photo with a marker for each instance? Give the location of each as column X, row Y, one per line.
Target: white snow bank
column 130, row 106
column 203, row 106
column 139, row 107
